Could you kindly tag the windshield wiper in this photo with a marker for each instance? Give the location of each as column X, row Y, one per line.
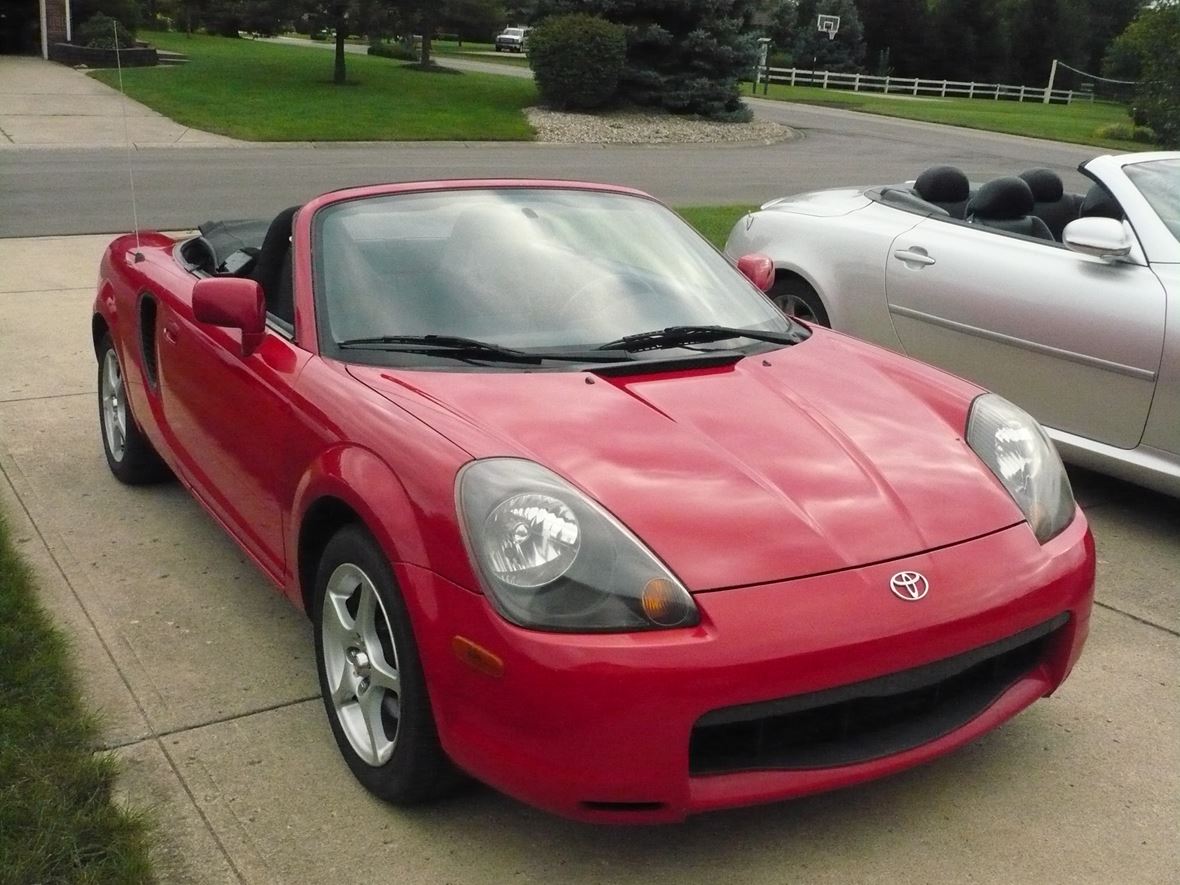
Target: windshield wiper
column 472, row 348
column 678, row 336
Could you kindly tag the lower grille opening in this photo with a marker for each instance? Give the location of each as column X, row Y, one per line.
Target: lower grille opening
column 623, row 806
column 866, row 720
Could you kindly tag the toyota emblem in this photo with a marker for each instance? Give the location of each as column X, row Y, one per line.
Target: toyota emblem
column 910, row 586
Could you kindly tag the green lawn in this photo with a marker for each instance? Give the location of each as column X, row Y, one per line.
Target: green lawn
column 57, row 819
column 269, row 92
column 714, row 222
column 1074, row 123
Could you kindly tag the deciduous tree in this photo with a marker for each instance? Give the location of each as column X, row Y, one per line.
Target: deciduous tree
column 1150, row 44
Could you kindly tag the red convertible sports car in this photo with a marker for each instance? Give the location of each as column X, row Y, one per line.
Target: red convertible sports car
column 577, row 511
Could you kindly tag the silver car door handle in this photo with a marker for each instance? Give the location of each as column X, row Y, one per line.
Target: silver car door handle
column 914, row 256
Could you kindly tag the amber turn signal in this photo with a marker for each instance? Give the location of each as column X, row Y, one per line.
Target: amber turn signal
column 662, row 603
column 477, row 657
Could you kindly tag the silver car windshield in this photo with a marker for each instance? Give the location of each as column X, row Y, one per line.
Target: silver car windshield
column 523, row 267
column 1159, row 182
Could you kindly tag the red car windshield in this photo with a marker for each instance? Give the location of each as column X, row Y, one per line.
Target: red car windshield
column 524, row 268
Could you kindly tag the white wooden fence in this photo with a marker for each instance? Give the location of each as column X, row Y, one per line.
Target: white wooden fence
column 915, row 86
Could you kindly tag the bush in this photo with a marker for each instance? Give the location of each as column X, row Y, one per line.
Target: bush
column 685, row 56
column 1126, row 132
column 127, row 12
column 99, row 32
column 400, row 51
column 577, row 60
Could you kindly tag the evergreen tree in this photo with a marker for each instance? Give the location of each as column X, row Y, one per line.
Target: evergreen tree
column 1040, row 31
column 682, row 55
column 898, row 30
column 784, row 26
column 966, row 41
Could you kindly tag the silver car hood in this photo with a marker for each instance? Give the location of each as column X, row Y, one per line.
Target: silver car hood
column 822, row 204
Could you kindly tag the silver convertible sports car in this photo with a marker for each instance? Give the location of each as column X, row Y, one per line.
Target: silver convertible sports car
column 1068, row 304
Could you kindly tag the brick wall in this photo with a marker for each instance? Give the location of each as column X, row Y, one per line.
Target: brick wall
column 55, row 20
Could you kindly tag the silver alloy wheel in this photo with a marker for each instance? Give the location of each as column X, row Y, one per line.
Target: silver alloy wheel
column 793, row 305
column 114, row 406
column 360, row 664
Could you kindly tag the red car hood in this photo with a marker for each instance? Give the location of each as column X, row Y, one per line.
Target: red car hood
column 823, row 456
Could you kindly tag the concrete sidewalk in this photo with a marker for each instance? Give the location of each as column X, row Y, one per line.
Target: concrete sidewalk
column 206, row 681
column 44, row 105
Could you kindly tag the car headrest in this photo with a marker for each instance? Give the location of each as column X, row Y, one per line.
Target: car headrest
column 1003, row 198
column 1045, row 185
column 943, row 184
column 1100, row 204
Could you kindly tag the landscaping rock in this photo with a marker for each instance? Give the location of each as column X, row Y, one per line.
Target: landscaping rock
column 640, row 127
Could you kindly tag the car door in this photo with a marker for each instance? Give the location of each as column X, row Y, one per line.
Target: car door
column 1073, row 339
column 234, row 421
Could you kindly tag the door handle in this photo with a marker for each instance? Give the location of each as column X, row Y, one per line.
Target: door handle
column 915, row 255
column 171, row 332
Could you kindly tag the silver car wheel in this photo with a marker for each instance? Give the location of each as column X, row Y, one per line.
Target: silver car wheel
column 793, row 305
column 114, row 406
column 360, row 664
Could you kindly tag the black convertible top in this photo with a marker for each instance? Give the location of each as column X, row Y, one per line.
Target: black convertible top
column 227, row 237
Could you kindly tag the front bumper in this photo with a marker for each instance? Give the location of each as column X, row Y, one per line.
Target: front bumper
column 599, row 727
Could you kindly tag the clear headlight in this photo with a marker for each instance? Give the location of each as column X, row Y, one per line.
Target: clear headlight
column 551, row 558
column 1014, row 446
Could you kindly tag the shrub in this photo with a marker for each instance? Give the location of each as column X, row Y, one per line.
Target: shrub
column 1126, row 132
column 685, row 56
column 99, row 32
column 577, row 60
column 399, row 50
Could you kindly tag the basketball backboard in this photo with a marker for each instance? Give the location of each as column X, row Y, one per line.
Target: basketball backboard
column 829, row 24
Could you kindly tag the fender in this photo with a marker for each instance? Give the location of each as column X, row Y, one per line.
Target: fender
column 394, row 513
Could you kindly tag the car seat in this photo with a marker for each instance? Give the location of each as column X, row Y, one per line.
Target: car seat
column 1051, row 203
column 1098, row 203
column 272, row 268
column 1006, row 204
column 946, row 187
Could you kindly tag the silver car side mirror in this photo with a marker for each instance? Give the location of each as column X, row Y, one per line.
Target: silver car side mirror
column 1103, row 238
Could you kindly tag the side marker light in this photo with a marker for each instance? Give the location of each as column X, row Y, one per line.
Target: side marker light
column 477, row 657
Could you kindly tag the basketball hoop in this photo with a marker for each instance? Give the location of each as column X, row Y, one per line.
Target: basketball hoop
column 828, row 24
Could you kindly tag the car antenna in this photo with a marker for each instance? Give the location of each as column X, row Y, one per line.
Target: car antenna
column 127, row 141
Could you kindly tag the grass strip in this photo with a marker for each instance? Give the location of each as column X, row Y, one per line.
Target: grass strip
column 58, row 822
column 259, row 91
column 1075, row 123
column 714, row 222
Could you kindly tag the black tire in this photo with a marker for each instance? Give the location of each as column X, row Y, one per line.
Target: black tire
column 417, row 769
column 795, row 297
column 129, row 453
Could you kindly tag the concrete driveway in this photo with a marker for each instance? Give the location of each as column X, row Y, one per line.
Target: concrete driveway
column 206, row 681
column 47, row 105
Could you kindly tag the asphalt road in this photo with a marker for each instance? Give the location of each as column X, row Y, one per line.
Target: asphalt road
column 69, row 191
